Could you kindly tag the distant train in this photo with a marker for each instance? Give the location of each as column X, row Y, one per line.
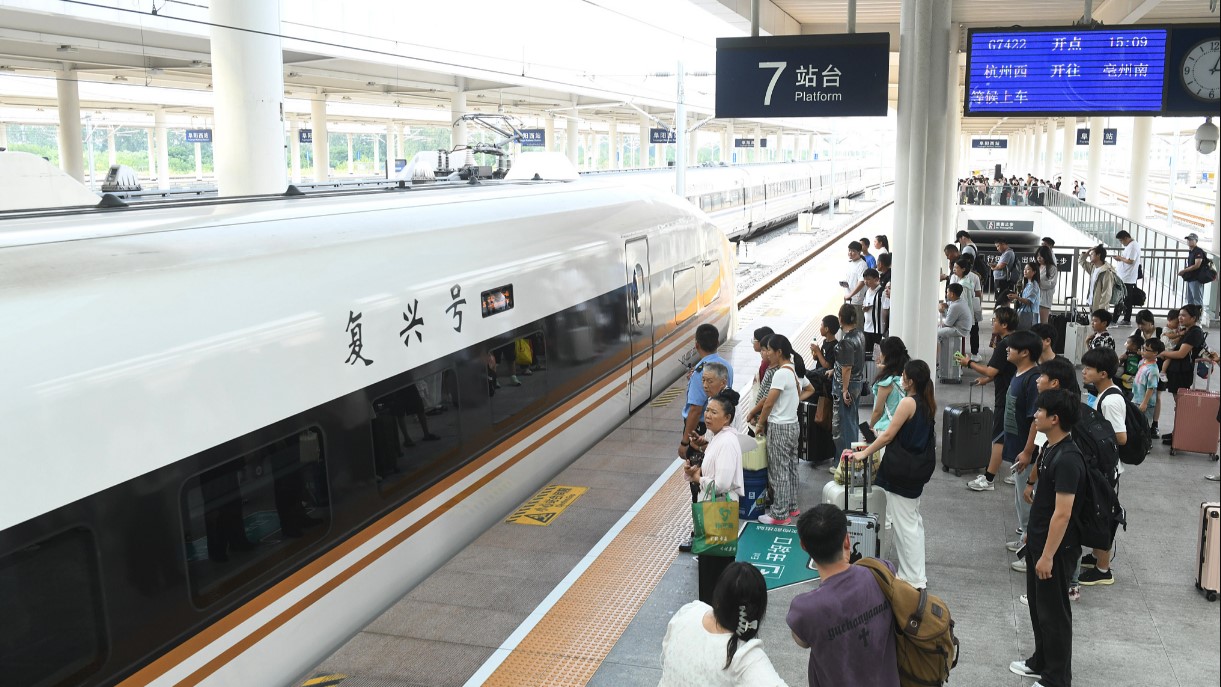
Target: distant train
column 237, row 430
column 744, row 200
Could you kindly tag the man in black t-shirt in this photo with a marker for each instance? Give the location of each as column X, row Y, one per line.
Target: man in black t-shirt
column 999, row 372
column 1190, row 272
column 1179, row 364
column 1052, row 544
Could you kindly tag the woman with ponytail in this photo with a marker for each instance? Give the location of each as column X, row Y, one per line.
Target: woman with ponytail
column 905, row 472
column 718, row 645
column 778, row 418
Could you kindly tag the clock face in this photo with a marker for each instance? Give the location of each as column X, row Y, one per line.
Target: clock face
column 1201, row 72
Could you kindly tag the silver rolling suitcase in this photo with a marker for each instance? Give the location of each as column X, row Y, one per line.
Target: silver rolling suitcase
column 863, row 528
column 948, row 369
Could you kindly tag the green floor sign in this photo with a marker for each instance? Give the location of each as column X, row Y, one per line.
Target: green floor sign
column 776, row 552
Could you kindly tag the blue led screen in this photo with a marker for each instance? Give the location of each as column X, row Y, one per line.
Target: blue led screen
column 1066, row 71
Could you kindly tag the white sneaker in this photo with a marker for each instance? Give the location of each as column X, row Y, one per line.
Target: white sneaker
column 1019, row 565
column 1024, row 600
column 981, row 483
column 1019, row 668
column 1010, row 479
column 1014, row 546
column 977, row 358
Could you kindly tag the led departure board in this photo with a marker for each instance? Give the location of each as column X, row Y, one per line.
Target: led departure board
column 1069, row 70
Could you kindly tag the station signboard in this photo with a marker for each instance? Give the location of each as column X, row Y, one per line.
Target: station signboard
column 536, row 138
column 663, row 136
column 1000, row 225
column 1109, row 136
column 199, row 135
column 744, row 143
column 990, row 143
column 841, row 75
column 305, row 135
column 1145, row 70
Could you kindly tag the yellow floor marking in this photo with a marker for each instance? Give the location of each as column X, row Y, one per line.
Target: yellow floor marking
column 574, row 637
column 543, row 508
column 324, row 680
column 663, row 399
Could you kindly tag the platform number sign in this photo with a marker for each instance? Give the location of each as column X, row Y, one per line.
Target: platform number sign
column 803, row 76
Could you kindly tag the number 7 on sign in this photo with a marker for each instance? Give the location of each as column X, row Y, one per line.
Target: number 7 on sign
column 779, row 67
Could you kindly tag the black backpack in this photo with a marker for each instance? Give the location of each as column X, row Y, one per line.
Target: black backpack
column 1096, row 439
column 1140, row 438
column 1100, row 514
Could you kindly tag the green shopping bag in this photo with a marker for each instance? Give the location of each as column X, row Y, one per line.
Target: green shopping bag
column 716, row 525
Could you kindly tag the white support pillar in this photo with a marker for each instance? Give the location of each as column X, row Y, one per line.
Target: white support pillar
column 730, row 153
column 693, row 147
column 400, row 141
column 1138, row 183
column 1093, row 174
column 645, row 124
column 152, row 157
column 549, row 134
column 248, row 87
column 294, row 150
column 1069, row 142
column 1049, row 150
column 321, row 137
column 573, row 139
column 351, row 162
column 1036, row 166
column 725, row 143
column 111, row 154
column 457, row 108
column 949, row 184
column 163, row 148
column 4, row 135
column 71, row 147
column 756, row 153
column 376, row 155
column 198, row 162
column 920, row 172
column 613, row 148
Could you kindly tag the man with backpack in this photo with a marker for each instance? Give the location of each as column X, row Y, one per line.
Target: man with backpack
column 1098, row 366
column 1106, row 290
column 1052, row 543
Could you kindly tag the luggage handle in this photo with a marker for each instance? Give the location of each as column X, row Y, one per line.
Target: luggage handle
column 848, row 487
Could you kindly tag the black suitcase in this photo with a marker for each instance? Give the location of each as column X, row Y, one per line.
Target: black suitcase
column 1058, row 322
column 966, row 436
column 815, row 444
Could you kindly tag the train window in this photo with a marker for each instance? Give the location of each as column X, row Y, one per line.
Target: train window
column 496, row 300
column 246, row 515
column 416, row 432
column 685, row 294
column 53, row 631
column 517, row 376
column 712, row 281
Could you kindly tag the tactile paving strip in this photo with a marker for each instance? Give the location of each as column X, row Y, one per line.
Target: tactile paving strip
column 568, row 645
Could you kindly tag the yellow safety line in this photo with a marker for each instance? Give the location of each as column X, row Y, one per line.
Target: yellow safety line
column 324, row 680
column 568, row 645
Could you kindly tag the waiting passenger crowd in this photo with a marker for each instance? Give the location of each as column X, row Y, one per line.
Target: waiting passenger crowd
column 1051, row 441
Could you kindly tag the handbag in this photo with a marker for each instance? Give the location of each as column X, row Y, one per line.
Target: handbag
column 524, row 352
column 715, row 525
column 756, row 458
column 822, row 412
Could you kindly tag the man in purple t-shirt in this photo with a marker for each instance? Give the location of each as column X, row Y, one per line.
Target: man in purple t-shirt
column 846, row 623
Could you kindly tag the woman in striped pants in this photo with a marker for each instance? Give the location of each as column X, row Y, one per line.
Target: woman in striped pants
column 778, row 419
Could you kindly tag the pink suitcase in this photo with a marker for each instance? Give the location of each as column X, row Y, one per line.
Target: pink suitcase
column 1208, row 550
column 1195, row 422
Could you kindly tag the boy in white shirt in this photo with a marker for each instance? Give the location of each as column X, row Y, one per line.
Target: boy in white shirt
column 1098, row 365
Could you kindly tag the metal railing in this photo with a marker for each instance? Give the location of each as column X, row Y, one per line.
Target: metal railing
column 1162, row 255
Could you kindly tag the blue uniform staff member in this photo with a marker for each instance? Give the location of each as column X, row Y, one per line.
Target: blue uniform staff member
column 1051, row 542
column 707, row 338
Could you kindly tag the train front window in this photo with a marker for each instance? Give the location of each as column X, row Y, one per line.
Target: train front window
column 416, row 433
column 246, row 515
column 52, row 632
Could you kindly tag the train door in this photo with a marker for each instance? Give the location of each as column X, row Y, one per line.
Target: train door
column 640, row 323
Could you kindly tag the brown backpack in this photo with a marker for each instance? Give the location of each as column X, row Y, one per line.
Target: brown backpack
column 924, row 631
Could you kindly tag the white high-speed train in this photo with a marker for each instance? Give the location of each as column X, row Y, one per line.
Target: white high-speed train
column 237, row 430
